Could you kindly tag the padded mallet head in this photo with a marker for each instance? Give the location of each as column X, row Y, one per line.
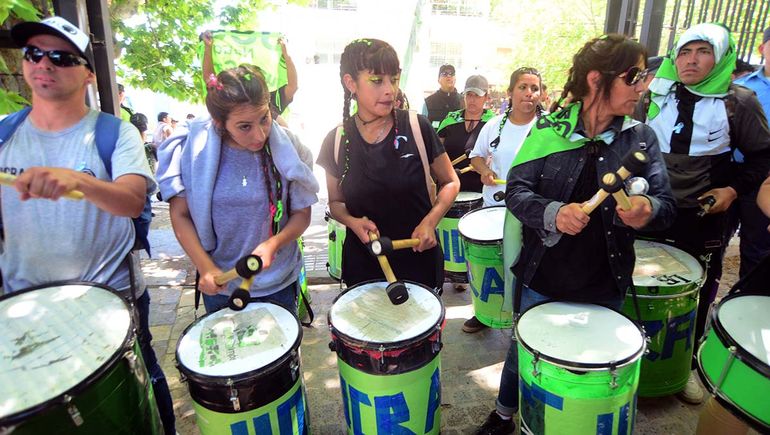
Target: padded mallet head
column 239, row 299
column 248, row 266
column 397, row 293
column 499, row 196
column 635, row 160
column 381, row 246
column 611, row 183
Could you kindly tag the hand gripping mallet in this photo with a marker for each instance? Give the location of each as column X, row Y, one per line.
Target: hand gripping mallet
column 397, row 292
column 246, row 268
column 612, row 183
column 384, row 245
column 633, row 162
column 8, row 180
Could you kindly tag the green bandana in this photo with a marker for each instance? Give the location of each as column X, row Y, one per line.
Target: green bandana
column 551, row 134
column 715, row 84
column 458, row 116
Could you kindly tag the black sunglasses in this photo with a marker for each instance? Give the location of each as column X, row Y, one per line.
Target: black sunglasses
column 57, row 57
column 447, row 74
column 633, row 75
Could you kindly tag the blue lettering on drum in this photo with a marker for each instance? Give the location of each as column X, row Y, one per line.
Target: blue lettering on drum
column 453, row 249
column 674, row 332
column 492, row 284
column 261, row 423
column 390, row 410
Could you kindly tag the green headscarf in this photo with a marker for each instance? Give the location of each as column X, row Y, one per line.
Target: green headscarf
column 715, row 84
column 458, row 116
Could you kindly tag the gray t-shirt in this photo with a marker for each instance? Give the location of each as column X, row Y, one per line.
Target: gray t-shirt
column 68, row 240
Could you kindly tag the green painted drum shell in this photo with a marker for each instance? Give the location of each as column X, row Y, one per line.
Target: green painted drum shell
column 669, row 323
column 337, row 233
column 119, row 401
column 451, row 245
column 485, row 273
column 390, row 398
column 288, row 414
column 256, row 388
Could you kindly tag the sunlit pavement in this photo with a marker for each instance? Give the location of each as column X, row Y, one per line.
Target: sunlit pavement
column 470, row 363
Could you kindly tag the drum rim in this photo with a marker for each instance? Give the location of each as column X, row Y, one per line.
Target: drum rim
column 223, row 379
column 726, row 401
column 727, row 340
column 663, row 296
column 571, row 365
column 477, row 241
column 88, row 381
column 376, row 345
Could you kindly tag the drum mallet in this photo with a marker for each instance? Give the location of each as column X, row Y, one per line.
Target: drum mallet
column 633, row 162
column 245, row 268
column 464, row 170
column 499, row 196
column 706, row 204
column 8, row 180
column 384, row 245
column 397, row 292
column 612, row 183
column 459, row 159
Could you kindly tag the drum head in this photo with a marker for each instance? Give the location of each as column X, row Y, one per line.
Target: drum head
column 660, row 265
column 745, row 319
column 365, row 313
column 54, row 338
column 483, row 225
column 468, row 197
column 580, row 335
column 227, row 342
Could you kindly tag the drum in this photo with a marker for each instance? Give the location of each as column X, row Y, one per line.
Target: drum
column 303, row 295
column 243, row 371
column 482, row 235
column 578, row 368
column 455, row 269
column 667, row 281
column 336, row 240
column 734, row 358
column 71, row 364
column 389, row 359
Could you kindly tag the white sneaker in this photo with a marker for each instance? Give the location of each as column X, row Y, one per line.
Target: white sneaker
column 692, row 393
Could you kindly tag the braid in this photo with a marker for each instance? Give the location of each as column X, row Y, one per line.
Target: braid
column 508, row 111
column 346, row 105
column 275, row 199
column 395, row 128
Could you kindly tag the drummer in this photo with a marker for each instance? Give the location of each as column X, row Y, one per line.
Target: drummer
column 460, row 129
column 569, row 255
column 54, row 151
column 377, row 182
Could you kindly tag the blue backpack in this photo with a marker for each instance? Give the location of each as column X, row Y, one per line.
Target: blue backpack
column 106, row 137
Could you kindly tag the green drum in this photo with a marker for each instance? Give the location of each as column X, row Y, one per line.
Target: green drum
column 303, row 297
column 389, row 359
column 455, row 268
column 482, row 235
column 666, row 280
column 71, row 364
column 243, row 371
column 336, row 241
column 734, row 358
column 578, row 369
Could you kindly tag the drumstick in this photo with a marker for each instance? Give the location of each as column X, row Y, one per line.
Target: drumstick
column 385, row 245
column 8, row 179
column 634, row 161
column 459, row 159
column 246, row 268
column 396, row 290
column 612, row 184
column 464, row 170
column 499, row 181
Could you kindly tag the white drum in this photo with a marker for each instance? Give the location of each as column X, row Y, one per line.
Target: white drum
column 483, row 225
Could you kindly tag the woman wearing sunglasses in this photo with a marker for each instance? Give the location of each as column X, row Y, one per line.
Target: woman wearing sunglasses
column 568, row 255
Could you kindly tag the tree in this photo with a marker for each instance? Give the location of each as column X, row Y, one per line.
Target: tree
column 13, row 87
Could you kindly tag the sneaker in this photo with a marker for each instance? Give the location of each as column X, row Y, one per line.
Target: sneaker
column 692, row 393
column 473, row 325
column 495, row 425
column 461, row 287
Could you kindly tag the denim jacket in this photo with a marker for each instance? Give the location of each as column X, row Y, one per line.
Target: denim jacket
column 536, row 190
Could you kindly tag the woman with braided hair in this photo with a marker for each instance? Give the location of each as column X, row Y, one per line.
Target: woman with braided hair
column 375, row 172
column 237, row 186
column 502, row 136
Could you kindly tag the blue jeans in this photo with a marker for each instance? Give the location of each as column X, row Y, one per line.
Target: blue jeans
column 508, row 395
column 159, row 384
column 286, row 297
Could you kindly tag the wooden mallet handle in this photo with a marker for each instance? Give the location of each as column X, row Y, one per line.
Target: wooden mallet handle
column 464, row 170
column 632, row 162
column 8, row 180
column 245, row 268
column 383, row 260
column 459, row 159
column 611, row 183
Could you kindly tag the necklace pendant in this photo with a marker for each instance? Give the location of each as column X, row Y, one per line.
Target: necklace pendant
column 244, row 182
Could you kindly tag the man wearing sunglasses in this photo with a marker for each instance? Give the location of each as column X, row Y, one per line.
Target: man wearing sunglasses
column 444, row 100
column 699, row 118
column 53, row 149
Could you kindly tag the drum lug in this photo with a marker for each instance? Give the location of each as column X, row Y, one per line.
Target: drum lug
column 234, row 396
column 614, row 375
column 382, row 354
column 133, row 364
column 535, row 361
column 73, row 411
column 294, row 365
column 725, row 368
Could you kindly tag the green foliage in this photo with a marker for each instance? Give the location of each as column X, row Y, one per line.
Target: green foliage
column 24, row 10
column 11, row 102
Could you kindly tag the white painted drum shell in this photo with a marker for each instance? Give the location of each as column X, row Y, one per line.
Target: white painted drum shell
column 483, row 225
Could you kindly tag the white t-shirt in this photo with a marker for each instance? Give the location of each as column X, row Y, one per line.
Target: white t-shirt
column 67, row 240
column 499, row 159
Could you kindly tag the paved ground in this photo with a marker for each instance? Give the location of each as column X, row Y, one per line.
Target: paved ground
column 470, row 363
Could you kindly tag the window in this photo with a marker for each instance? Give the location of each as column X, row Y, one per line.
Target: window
column 461, row 8
column 329, row 51
column 446, row 52
column 338, row 5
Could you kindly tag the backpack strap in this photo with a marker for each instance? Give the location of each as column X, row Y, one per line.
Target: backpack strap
column 106, row 138
column 337, row 140
column 10, row 123
column 429, row 184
